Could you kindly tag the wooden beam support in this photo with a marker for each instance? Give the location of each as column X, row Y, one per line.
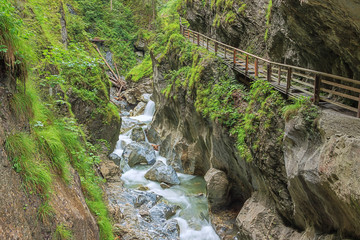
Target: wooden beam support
column 279, row 75
column 247, row 65
column 268, row 78
column 256, row 67
column 234, row 60
column 317, row 83
column 288, row 80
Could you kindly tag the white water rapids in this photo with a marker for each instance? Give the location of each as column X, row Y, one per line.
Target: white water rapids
column 189, row 195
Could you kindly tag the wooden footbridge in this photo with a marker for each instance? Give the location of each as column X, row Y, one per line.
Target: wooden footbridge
column 290, row 80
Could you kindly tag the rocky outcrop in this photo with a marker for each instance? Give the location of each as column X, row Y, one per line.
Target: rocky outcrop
column 294, row 32
column 98, row 124
column 217, row 186
column 305, row 190
column 137, row 153
column 162, row 173
column 323, row 167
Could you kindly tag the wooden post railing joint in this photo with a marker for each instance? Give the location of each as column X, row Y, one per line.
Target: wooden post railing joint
column 288, row 80
column 216, row 48
column 198, row 39
column 247, row 65
column 225, row 52
column 317, row 85
column 279, row 75
column 268, row 72
column 234, row 60
column 207, row 44
column 256, row 67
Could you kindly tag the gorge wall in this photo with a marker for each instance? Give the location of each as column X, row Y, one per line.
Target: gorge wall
column 316, row 34
column 301, row 182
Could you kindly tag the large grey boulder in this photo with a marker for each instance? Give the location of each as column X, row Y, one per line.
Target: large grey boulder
column 138, row 153
column 323, row 168
column 258, row 220
column 217, row 186
column 162, row 173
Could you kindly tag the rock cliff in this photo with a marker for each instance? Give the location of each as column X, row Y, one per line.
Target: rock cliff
column 316, row 34
column 301, row 187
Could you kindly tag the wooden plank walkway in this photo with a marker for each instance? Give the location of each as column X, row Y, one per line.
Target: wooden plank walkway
column 291, row 81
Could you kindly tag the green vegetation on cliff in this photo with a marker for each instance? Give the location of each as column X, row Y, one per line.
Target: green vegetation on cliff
column 64, row 69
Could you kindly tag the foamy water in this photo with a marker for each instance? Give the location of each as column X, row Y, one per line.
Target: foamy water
column 189, row 195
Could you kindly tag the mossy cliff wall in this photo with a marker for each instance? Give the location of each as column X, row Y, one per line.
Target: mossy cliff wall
column 283, row 175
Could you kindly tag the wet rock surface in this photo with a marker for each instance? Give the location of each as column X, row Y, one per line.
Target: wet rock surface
column 137, row 134
column 138, row 153
column 162, row 173
column 217, row 186
column 141, row 215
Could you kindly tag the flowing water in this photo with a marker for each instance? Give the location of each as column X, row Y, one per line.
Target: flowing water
column 192, row 216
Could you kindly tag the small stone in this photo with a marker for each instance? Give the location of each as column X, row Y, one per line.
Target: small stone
column 143, row 188
column 164, row 185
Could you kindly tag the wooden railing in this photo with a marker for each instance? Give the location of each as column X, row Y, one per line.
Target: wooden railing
column 291, row 80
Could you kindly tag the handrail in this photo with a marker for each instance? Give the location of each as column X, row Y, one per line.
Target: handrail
column 294, row 77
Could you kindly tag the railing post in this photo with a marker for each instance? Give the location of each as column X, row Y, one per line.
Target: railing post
column 256, row 67
column 189, row 35
column 279, row 75
column 216, row 48
column 225, row 52
column 198, row 39
column 317, row 89
column 234, row 56
column 269, row 72
column 207, row 44
column 288, row 80
column 247, row 65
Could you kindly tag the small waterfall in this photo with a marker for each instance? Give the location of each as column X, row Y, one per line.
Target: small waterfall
column 149, row 109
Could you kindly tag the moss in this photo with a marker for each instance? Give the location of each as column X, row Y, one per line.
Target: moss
column 143, row 70
column 62, row 233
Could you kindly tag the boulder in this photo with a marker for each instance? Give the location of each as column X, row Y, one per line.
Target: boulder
column 323, row 168
column 217, row 186
column 138, row 153
column 115, row 158
column 172, row 229
column 257, row 220
column 162, row 173
column 138, row 134
column 161, row 212
column 110, row 171
column 139, row 109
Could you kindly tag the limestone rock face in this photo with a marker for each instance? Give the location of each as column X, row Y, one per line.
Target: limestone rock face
column 110, row 171
column 162, row 173
column 307, row 181
column 98, row 125
column 300, row 32
column 323, row 169
column 257, row 220
column 217, row 186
